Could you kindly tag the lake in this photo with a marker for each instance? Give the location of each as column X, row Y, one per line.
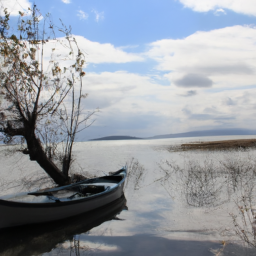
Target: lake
column 176, row 203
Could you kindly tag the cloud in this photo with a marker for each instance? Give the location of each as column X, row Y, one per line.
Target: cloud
column 129, row 47
column 211, row 110
column 128, row 103
column 14, row 6
column 221, row 58
column 95, row 53
column 193, row 80
column 219, row 12
column 204, row 117
column 105, row 53
column 132, row 104
column 66, row 1
column 82, row 15
column 126, row 99
column 228, row 101
column 235, row 68
column 188, row 93
column 230, row 108
column 109, row 88
column 98, row 15
column 247, row 7
column 213, row 62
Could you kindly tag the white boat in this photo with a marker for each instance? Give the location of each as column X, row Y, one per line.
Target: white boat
column 61, row 202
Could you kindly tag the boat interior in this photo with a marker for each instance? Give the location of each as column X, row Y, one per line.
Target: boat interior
column 75, row 191
column 71, row 192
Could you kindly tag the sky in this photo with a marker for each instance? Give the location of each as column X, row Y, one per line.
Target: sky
column 162, row 66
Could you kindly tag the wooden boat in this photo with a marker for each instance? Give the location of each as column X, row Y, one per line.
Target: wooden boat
column 62, row 202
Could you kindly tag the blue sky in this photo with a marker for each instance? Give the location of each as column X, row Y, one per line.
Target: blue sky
column 162, row 66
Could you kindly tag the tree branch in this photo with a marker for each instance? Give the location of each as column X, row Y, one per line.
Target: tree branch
column 11, row 131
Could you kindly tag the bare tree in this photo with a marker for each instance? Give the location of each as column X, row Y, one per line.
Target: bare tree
column 42, row 95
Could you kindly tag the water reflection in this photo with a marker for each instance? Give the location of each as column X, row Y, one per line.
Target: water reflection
column 208, row 183
column 38, row 239
column 189, row 199
column 202, row 186
column 150, row 245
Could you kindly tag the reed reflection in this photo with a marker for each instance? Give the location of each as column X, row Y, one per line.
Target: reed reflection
column 199, row 184
column 211, row 182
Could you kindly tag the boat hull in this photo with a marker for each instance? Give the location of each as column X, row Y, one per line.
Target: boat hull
column 20, row 213
column 37, row 239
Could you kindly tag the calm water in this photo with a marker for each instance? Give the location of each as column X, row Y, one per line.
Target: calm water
column 176, row 203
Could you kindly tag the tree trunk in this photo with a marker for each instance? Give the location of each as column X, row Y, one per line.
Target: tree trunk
column 37, row 153
column 66, row 165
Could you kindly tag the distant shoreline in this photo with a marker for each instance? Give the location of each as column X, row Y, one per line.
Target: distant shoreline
column 204, row 133
column 117, row 138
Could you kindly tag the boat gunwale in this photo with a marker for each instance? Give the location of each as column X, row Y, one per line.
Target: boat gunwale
column 108, row 191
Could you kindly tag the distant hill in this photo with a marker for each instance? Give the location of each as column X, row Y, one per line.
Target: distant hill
column 223, row 132
column 118, row 138
column 220, row 132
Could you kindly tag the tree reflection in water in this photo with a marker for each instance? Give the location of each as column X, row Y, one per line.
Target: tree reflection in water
column 75, row 248
column 76, row 245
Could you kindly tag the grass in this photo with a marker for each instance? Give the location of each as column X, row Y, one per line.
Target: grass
column 220, row 145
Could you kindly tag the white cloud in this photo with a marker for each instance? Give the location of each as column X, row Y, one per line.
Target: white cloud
column 105, row 53
column 82, row 15
column 128, row 47
column 66, row 1
column 219, row 12
column 133, row 104
column 220, row 58
column 204, row 67
column 95, row 53
column 14, row 6
column 98, row 15
column 247, row 7
column 128, row 102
